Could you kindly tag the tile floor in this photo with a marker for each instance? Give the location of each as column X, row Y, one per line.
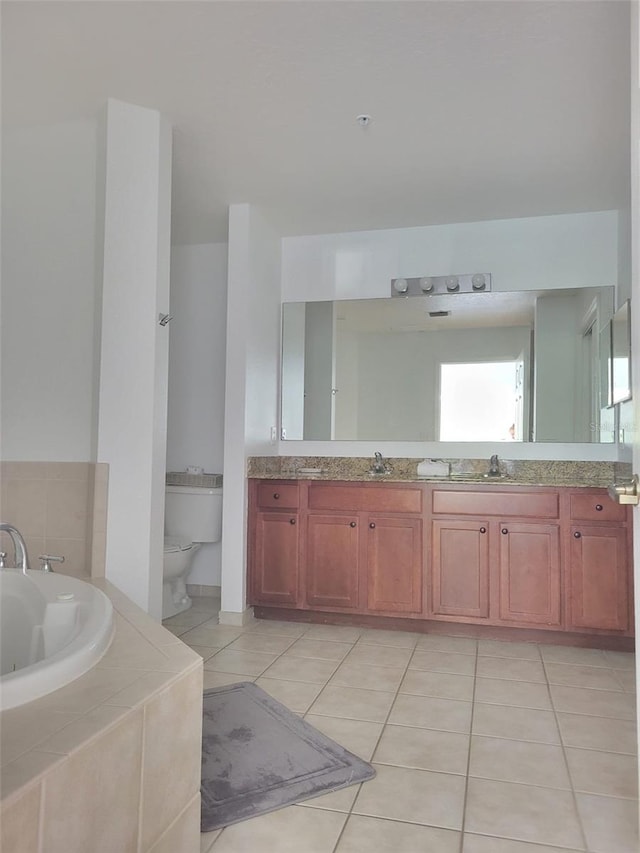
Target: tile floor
column 479, row 746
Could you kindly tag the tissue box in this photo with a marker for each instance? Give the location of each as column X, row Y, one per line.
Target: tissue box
column 433, row 468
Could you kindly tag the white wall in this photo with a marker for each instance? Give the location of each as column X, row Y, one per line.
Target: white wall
column 134, row 355
column 572, row 250
column 49, row 292
column 252, row 382
column 197, row 348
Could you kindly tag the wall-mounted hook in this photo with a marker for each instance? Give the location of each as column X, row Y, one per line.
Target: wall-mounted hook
column 164, row 319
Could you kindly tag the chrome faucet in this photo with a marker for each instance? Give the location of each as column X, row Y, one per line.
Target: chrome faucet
column 21, row 560
column 379, row 465
column 494, row 468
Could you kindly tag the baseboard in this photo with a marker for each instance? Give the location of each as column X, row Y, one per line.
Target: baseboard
column 239, row 620
column 203, row 590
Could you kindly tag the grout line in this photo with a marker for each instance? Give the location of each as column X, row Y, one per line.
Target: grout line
column 466, row 782
column 566, row 762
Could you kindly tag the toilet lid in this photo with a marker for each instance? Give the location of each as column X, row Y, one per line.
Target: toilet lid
column 173, row 544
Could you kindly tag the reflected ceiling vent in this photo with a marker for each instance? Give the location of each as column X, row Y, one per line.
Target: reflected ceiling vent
column 430, row 285
column 439, row 313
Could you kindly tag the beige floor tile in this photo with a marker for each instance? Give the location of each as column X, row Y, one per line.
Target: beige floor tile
column 216, row 635
column 627, row 679
column 292, row 830
column 246, row 663
column 607, row 773
column 440, row 684
column 423, row 749
column 211, row 680
column 621, row 660
column 339, row 633
column 206, row 652
column 523, row 694
column 501, row 649
column 207, row 839
column 320, row 649
column 417, row 796
column 589, row 677
column 514, row 669
column 177, row 630
column 302, row 669
column 610, row 824
column 399, row 639
column 508, row 721
column 379, row 655
column 368, row 677
column 295, row 695
column 353, row 703
column 358, row 736
column 189, row 619
column 437, row 661
column 375, row 835
column 337, row 801
column 518, row 761
column 522, row 812
column 254, row 642
column 597, row 703
column 485, row 844
column 444, row 643
column 573, row 655
column 585, row 732
column 283, row 629
column 428, row 712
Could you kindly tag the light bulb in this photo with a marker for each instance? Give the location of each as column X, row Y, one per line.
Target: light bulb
column 478, row 281
column 452, row 283
column 426, row 285
column 400, row 285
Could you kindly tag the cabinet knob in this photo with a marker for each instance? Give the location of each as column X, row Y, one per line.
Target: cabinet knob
column 276, row 496
column 599, row 507
column 577, row 534
column 372, row 525
column 504, row 530
column 292, row 521
column 352, row 524
column 483, row 530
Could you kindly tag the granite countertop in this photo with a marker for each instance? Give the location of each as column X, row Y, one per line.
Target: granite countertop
column 464, row 471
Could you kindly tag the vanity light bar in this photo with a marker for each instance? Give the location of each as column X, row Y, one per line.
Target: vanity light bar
column 438, row 284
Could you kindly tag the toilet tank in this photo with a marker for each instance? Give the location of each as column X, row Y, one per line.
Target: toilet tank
column 193, row 512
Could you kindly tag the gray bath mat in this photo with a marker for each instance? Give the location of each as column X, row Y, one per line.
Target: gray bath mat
column 257, row 756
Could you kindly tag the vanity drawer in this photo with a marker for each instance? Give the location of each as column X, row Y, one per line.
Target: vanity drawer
column 490, row 502
column 365, row 499
column 278, row 495
column 596, row 507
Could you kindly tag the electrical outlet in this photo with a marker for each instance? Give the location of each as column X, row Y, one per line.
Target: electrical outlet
column 274, row 434
column 621, row 436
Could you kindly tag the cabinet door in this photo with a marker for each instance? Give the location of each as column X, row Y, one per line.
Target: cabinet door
column 530, row 573
column 460, row 568
column 275, row 560
column 599, row 578
column 332, row 561
column 394, row 564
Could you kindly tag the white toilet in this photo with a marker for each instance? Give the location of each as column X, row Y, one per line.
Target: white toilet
column 192, row 515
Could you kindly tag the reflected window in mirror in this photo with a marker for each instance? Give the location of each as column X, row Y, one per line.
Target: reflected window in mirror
column 479, row 402
column 621, row 350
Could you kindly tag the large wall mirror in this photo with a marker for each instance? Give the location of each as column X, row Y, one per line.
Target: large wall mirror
column 500, row 366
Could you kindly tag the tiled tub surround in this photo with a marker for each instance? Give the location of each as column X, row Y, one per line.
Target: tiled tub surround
column 60, row 508
column 481, row 746
column 525, row 472
column 111, row 762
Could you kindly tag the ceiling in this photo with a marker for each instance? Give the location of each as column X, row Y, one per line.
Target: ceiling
column 480, row 109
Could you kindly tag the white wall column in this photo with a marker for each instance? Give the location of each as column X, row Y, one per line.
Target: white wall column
column 134, row 354
column 251, row 398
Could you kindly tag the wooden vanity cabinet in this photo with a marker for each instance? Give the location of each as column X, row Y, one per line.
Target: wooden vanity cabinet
column 367, row 556
column 274, row 545
column 599, row 590
column 496, row 565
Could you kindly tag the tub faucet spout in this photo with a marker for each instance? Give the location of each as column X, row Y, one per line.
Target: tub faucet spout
column 21, row 561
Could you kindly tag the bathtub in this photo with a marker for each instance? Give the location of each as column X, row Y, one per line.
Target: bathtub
column 53, row 628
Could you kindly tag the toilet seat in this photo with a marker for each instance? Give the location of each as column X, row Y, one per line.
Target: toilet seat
column 172, row 544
